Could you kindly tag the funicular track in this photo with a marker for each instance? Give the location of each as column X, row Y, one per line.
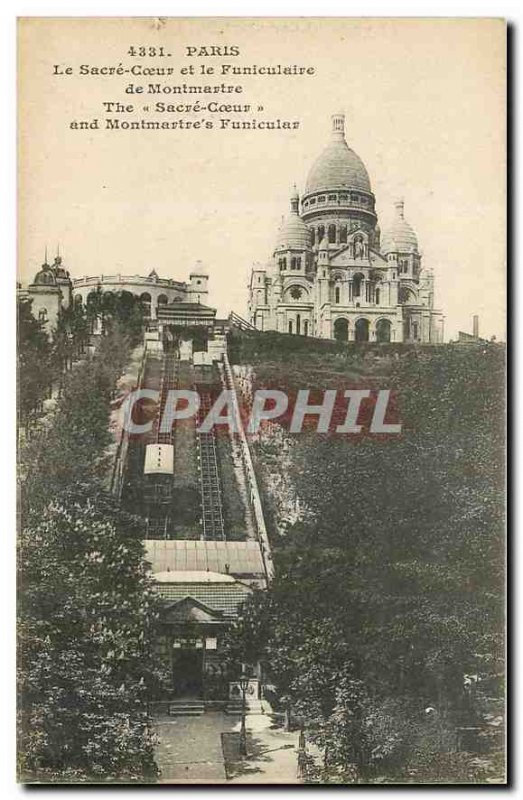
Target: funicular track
column 210, row 487
column 159, row 493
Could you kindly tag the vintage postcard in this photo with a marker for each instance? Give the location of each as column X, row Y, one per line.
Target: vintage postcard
column 261, row 401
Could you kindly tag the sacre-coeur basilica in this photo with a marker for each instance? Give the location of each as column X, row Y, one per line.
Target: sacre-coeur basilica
column 332, row 274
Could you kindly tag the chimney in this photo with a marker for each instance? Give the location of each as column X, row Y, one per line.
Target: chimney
column 475, row 326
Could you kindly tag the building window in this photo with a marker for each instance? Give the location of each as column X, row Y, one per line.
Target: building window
column 321, row 233
column 42, row 315
column 337, row 294
column 298, row 324
column 321, row 199
column 306, row 327
column 313, row 237
column 343, row 234
column 377, row 296
column 332, row 197
column 298, row 262
column 332, row 234
column 290, row 326
column 293, row 263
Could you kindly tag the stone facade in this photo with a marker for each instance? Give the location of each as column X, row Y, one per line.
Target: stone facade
column 53, row 288
column 153, row 290
column 331, row 275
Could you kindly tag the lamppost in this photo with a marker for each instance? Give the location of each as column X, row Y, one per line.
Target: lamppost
column 244, row 680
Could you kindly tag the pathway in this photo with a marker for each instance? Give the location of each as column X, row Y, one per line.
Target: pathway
column 204, row 749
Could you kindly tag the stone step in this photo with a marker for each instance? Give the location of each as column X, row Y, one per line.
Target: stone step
column 186, row 708
column 251, row 707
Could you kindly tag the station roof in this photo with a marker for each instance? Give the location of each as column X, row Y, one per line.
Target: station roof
column 220, row 599
column 188, row 556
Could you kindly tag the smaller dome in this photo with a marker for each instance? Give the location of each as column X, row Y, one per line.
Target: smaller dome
column 45, row 277
column 293, row 232
column 400, row 238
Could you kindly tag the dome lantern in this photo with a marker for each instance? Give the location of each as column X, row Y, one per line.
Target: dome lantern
column 338, row 127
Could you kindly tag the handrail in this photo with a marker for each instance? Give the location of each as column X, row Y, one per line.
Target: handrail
column 263, row 539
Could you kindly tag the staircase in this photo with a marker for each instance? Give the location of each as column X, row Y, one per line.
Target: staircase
column 186, row 708
column 240, row 322
column 251, row 707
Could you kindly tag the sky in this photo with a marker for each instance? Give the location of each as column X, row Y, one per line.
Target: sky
column 424, row 102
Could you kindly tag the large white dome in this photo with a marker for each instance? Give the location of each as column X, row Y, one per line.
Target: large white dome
column 338, row 167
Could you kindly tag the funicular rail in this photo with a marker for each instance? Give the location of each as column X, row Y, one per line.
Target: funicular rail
column 210, row 487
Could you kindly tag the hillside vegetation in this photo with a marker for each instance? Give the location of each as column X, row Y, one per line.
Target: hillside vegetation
column 383, row 630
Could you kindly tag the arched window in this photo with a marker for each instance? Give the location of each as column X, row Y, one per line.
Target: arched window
column 42, row 315
column 332, row 234
column 298, row 324
column 341, row 330
column 306, row 327
column 356, row 285
column 293, row 263
column 343, row 234
column 162, row 299
column 337, row 294
column 313, row 237
column 383, row 328
column 377, row 297
column 290, row 326
column 321, row 232
column 145, row 299
column 78, row 300
column 298, row 262
column 361, row 330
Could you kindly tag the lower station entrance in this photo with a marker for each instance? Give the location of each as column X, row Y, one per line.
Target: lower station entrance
column 188, row 672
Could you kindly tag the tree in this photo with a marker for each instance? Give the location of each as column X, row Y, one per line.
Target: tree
column 34, row 359
column 86, row 610
column 87, row 616
column 390, row 587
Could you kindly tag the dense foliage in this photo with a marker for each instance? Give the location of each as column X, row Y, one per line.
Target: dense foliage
column 383, row 629
column 34, row 365
column 44, row 357
column 86, row 607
